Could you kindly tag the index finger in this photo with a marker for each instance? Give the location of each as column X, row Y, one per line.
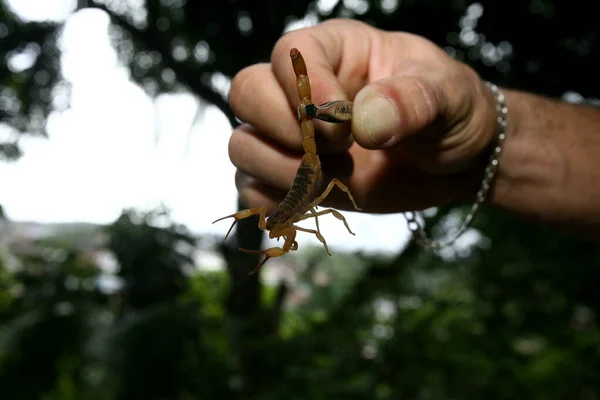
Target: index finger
column 336, row 53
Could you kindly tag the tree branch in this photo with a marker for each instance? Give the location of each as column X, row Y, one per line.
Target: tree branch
column 150, row 40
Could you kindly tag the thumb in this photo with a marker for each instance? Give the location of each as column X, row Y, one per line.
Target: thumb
column 389, row 110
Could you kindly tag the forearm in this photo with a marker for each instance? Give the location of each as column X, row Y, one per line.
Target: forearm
column 550, row 167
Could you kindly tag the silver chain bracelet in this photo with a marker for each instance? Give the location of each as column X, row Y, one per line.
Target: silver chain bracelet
column 490, row 171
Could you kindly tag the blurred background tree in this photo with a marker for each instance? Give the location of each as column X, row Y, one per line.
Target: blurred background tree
column 513, row 316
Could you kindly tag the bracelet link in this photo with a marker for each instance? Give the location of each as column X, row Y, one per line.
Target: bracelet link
column 415, row 227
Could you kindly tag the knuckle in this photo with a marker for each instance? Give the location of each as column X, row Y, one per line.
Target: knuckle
column 425, row 107
column 235, row 148
column 238, row 83
column 344, row 22
column 284, row 44
column 337, row 22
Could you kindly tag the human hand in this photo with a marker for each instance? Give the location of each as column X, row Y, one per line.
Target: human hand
column 422, row 122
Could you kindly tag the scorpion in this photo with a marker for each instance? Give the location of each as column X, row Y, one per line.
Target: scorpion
column 300, row 203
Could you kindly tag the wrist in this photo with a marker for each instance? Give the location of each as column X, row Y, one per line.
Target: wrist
column 529, row 169
column 548, row 171
column 527, row 161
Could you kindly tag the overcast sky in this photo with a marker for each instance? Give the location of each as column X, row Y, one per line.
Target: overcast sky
column 116, row 148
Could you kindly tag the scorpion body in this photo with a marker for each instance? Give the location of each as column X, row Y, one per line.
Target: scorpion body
column 300, row 202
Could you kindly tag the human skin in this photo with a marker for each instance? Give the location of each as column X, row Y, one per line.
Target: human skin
column 422, row 131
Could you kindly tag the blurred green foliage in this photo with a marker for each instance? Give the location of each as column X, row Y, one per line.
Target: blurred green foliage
column 514, row 316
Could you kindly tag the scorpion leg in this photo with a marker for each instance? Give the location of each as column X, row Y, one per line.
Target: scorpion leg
column 319, row 200
column 335, row 213
column 344, row 188
column 314, row 214
column 317, row 234
column 262, row 211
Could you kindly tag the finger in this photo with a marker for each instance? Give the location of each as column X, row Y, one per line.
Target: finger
column 335, row 70
column 257, row 156
column 258, row 99
column 432, row 191
column 394, row 108
column 256, row 194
